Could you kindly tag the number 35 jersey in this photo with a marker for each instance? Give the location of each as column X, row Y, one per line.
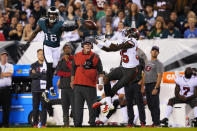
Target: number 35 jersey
column 186, row 85
column 52, row 35
column 129, row 57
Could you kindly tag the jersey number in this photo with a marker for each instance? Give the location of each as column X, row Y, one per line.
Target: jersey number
column 51, row 37
column 125, row 58
column 186, row 89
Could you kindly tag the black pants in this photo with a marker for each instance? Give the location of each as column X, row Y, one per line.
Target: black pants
column 124, row 75
column 134, row 96
column 5, row 101
column 37, row 98
column 82, row 94
column 153, row 102
column 67, row 99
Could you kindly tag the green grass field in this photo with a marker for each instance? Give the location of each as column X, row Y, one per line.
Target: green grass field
column 98, row 129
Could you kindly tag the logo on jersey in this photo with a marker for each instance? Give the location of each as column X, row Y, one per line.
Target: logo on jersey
column 148, row 68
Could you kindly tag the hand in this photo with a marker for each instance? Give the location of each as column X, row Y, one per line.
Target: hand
column 142, row 90
column 33, row 71
column 71, row 85
column 154, row 92
column 100, row 87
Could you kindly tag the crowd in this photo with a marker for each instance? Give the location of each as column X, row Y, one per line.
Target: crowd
column 146, row 19
column 153, row 18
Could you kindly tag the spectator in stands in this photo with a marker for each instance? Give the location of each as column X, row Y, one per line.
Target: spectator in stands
column 157, row 30
column 118, row 34
column 38, row 11
column 164, row 8
column 151, row 80
column 23, row 18
column 108, row 30
column 26, row 8
column 135, row 19
column 100, row 7
column 44, row 4
column 70, row 14
column 2, row 29
column 115, row 8
column 190, row 14
column 27, row 31
column 89, row 7
column 78, row 4
column 62, row 10
column 150, row 17
column 84, row 78
column 119, row 18
column 16, row 34
column 171, row 31
column 64, row 71
column 192, row 31
column 6, row 71
column 38, row 75
column 57, row 2
column 32, row 22
column 102, row 22
column 185, row 92
column 177, row 24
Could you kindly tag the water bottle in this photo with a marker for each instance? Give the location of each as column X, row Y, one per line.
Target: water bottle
column 39, row 125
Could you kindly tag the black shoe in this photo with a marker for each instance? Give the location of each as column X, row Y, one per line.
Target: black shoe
column 45, row 95
column 195, row 122
column 52, row 91
column 164, row 121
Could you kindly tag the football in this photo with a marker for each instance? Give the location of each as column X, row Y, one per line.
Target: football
column 91, row 25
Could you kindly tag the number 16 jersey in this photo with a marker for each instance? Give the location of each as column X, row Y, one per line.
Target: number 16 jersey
column 52, row 35
column 186, row 85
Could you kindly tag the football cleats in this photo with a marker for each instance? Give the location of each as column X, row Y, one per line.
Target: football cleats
column 131, row 32
column 53, row 14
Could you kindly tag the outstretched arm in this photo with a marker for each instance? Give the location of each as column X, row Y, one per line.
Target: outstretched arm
column 69, row 26
column 33, row 35
column 117, row 47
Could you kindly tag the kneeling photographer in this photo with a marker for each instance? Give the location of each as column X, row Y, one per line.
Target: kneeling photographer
column 86, row 68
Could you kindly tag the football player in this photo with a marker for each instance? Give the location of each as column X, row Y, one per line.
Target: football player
column 129, row 61
column 52, row 26
column 185, row 92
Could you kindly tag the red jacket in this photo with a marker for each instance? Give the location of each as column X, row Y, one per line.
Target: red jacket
column 87, row 77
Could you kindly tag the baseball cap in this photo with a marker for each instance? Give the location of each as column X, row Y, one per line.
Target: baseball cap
column 3, row 52
column 155, row 48
column 60, row 5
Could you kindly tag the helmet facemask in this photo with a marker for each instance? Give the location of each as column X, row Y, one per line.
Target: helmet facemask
column 53, row 14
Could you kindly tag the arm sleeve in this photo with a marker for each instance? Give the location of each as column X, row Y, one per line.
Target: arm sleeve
column 99, row 65
column 73, row 68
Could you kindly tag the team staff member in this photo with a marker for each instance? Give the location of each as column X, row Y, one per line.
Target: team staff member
column 5, row 82
column 38, row 75
column 64, row 71
column 86, row 68
column 133, row 92
column 152, row 79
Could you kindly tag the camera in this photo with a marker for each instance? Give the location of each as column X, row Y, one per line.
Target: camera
column 88, row 64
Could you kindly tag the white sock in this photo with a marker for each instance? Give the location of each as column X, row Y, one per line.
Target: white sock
column 195, row 112
column 124, row 114
column 168, row 111
column 103, row 100
column 108, row 99
column 136, row 116
column 104, row 120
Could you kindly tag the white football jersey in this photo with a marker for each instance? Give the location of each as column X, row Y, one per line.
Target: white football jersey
column 186, row 85
column 129, row 57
